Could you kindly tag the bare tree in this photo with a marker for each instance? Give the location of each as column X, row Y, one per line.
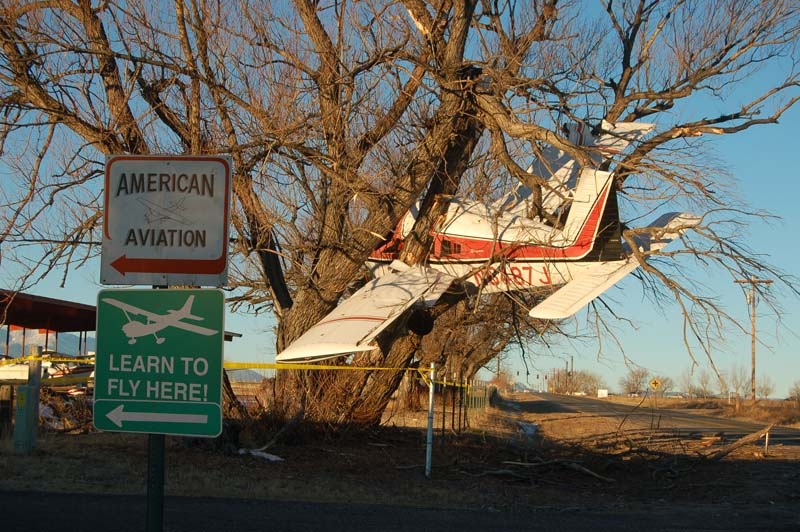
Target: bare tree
column 794, row 393
column 340, row 115
column 704, row 384
column 765, row 386
column 586, row 382
column 686, row 381
column 635, row 381
column 738, row 381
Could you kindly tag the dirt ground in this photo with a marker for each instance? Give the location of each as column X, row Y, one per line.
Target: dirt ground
column 496, row 464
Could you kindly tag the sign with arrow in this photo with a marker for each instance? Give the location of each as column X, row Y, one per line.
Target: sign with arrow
column 166, row 220
column 158, row 365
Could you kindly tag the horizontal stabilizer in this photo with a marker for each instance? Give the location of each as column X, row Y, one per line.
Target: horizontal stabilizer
column 577, row 293
column 662, row 231
column 360, row 318
column 614, row 138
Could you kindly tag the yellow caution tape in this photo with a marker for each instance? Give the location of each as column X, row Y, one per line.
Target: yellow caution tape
column 230, row 365
column 318, row 367
column 59, row 360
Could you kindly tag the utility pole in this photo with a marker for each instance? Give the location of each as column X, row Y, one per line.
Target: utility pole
column 751, row 298
column 571, row 374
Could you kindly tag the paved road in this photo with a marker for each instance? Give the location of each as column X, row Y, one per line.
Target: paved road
column 43, row 512
column 682, row 422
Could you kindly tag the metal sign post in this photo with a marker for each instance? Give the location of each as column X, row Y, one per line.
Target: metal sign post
column 429, row 441
column 158, row 366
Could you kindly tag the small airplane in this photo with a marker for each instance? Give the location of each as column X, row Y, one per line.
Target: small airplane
column 135, row 329
column 499, row 248
column 159, row 213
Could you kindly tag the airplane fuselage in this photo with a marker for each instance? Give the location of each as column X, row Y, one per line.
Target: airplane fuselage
column 496, row 252
column 135, row 329
column 491, row 277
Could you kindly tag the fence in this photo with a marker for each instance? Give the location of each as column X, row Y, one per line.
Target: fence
column 455, row 400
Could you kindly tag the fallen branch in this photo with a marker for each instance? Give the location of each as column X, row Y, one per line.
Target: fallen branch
column 412, row 466
column 708, row 441
column 750, row 438
column 566, row 463
column 580, row 468
column 496, row 473
column 261, row 454
column 533, row 464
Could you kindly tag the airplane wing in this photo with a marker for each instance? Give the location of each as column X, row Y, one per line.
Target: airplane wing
column 601, row 276
column 193, row 328
column 133, row 310
column 577, row 293
column 360, row 318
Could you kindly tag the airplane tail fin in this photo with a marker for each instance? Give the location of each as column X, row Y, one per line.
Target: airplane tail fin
column 588, row 204
column 560, row 183
column 186, row 310
column 560, row 169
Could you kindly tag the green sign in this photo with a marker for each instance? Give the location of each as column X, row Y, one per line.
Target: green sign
column 158, row 365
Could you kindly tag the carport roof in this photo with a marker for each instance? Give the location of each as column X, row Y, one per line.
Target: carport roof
column 39, row 312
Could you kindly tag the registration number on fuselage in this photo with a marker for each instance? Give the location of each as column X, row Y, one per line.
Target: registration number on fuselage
column 513, row 276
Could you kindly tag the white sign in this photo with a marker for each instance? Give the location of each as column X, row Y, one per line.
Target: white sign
column 166, row 220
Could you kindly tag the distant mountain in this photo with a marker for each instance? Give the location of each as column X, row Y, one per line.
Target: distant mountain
column 67, row 344
column 245, row 375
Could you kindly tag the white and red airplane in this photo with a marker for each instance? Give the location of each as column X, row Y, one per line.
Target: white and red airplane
column 496, row 248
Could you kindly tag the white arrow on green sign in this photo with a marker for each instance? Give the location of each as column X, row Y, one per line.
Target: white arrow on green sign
column 158, row 366
column 119, row 416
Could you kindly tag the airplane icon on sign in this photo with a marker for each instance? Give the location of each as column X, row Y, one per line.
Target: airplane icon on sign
column 155, row 323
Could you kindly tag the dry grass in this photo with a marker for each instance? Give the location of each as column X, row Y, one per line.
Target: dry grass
column 572, row 459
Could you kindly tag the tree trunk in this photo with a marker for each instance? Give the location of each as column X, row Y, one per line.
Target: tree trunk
column 232, row 409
